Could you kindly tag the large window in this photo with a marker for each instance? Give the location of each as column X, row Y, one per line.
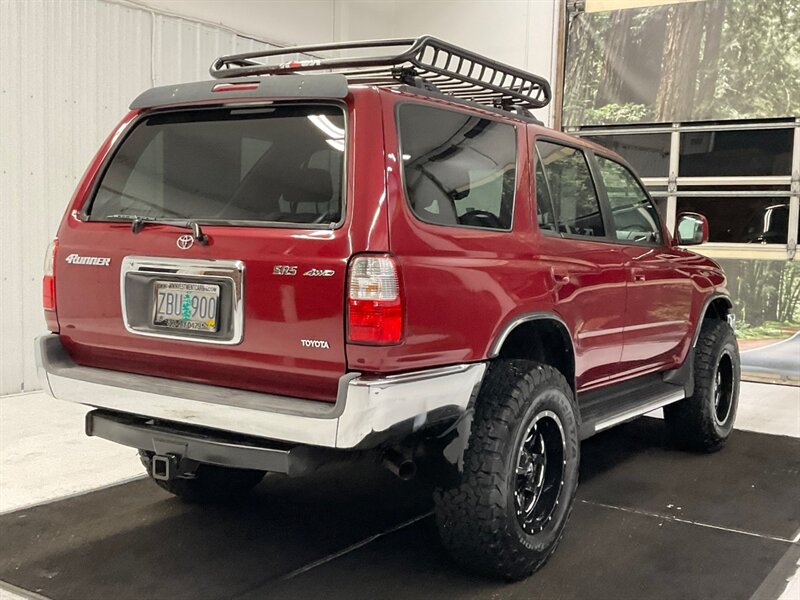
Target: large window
column 709, row 117
column 670, row 62
column 571, row 190
column 281, row 164
column 459, row 169
column 635, row 218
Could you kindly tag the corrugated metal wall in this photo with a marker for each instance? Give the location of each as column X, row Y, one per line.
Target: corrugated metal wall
column 68, row 70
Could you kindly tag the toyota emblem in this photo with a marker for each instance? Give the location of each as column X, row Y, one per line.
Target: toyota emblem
column 185, row 242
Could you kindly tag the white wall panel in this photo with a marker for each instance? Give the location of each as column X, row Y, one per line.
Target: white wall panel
column 286, row 23
column 522, row 33
column 68, row 70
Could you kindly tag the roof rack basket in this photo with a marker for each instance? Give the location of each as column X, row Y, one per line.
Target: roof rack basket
column 425, row 62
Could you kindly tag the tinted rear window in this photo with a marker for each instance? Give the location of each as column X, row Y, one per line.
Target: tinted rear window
column 280, row 164
column 459, row 169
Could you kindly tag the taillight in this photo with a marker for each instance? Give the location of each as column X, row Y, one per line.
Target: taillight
column 49, row 279
column 374, row 303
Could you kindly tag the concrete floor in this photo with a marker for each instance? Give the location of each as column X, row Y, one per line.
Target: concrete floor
column 778, row 362
column 44, row 455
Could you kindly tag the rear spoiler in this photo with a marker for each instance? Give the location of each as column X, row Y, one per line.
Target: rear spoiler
column 329, row 85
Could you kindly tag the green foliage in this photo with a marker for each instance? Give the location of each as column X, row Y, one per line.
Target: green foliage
column 766, row 293
column 759, row 65
column 768, row 330
column 753, row 71
column 788, row 304
column 619, row 113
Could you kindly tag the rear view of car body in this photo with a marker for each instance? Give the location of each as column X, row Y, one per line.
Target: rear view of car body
column 225, row 263
column 271, row 186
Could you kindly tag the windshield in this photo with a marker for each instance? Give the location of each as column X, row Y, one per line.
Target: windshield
column 280, row 164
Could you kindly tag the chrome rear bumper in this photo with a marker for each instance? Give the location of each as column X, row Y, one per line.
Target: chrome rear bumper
column 366, row 410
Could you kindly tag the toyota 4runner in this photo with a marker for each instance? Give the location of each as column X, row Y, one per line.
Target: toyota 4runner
column 386, row 253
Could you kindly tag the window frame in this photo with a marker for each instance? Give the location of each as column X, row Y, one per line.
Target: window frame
column 518, row 158
column 535, row 195
column 675, row 185
column 604, row 212
column 84, row 216
column 665, row 237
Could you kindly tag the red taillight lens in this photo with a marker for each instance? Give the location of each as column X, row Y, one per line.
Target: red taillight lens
column 374, row 304
column 49, row 292
column 49, row 279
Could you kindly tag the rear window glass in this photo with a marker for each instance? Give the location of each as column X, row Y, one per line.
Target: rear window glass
column 459, row 169
column 279, row 164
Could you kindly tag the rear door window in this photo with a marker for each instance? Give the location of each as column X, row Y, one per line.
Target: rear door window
column 279, row 164
column 459, row 169
column 571, row 190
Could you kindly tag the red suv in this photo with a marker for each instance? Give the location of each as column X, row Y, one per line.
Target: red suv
column 277, row 268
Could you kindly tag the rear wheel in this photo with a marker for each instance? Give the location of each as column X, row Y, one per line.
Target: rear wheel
column 209, row 484
column 705, row 420
column 506, row 514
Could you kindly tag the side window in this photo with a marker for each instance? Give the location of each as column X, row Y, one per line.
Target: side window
column 545, row 216
column 635, row 217
column 571, row 189
column 459, row 169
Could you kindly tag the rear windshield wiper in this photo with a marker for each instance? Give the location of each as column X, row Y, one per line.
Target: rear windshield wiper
column 138, row 222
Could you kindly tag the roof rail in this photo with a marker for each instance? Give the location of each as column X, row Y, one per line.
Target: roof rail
column 424, row 62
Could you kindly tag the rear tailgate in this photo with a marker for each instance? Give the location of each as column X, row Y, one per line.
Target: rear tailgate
column 260, row 306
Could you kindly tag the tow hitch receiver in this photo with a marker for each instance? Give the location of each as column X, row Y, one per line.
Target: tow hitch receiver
column 164, row 467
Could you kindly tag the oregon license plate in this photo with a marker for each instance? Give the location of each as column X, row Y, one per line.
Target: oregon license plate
column 186, row 306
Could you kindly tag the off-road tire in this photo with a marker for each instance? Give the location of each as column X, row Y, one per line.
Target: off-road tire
column 704, row 421
column 477, row 517
column 211, row 484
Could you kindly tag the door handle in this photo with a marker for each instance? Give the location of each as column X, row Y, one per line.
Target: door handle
column 638, row 275
column 559, row 278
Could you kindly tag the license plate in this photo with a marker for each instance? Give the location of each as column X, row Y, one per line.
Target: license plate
column 186, row 306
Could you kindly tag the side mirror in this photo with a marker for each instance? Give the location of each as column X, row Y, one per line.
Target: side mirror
column 691, row 229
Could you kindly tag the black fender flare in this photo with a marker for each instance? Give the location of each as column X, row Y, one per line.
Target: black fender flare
column 456, row 438
column 526, row 318
column 701, row 315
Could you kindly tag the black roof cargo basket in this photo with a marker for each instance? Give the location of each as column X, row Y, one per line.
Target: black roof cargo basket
column 425, row 62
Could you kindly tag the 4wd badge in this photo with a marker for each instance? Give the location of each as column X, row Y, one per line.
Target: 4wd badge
column 319, row 273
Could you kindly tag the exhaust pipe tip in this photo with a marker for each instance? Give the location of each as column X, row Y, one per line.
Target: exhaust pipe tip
column 402, row 465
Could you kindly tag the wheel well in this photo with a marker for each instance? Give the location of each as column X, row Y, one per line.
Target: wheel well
column 718, row 309
column 543, row 340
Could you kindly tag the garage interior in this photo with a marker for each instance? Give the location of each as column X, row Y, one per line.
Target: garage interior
column 78, row 519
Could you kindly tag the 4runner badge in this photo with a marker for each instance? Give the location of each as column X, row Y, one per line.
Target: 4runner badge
column 97, row 261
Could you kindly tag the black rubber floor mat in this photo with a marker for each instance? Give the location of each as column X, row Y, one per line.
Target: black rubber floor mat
column 135, row 541
column 752, row 484
column 606, row 554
